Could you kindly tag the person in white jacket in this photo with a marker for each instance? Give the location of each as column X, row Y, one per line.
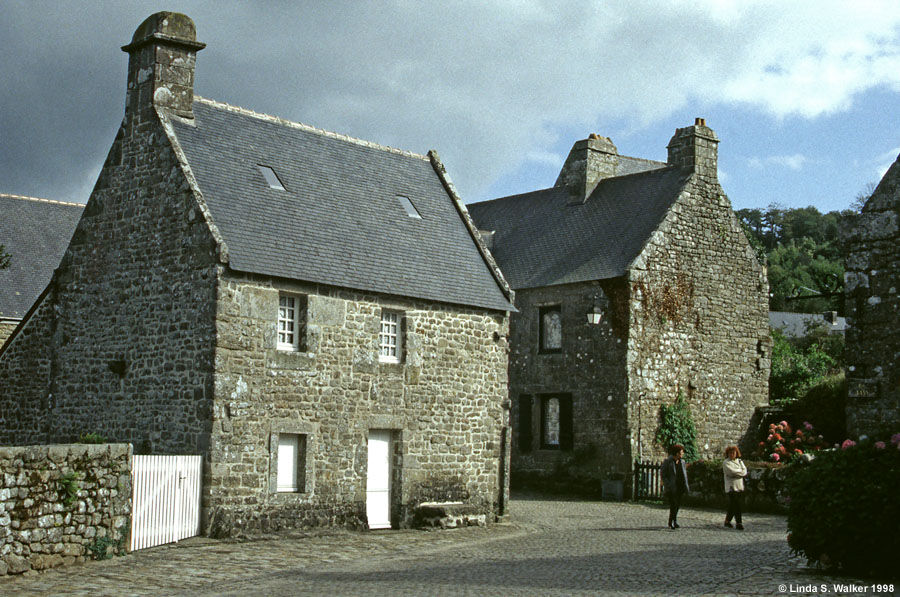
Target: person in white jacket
column 734, row 471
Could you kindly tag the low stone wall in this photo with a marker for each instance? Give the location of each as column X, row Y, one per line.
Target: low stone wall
column 61, row 504
column 764, row 486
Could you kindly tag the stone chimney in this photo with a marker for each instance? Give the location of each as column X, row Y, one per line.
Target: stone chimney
column 695, row 147
column 161, row 58
column 589, row 161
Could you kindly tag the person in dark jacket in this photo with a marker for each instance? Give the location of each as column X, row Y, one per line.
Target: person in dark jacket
column 675, row 481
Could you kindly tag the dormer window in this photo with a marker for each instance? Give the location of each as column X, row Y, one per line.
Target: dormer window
column 271, row 177
column 411, row 210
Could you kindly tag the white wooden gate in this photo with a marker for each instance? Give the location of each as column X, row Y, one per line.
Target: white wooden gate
column 166, row 499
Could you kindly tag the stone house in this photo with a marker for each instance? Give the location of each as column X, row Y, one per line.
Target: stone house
column 314, row 314
column 634, row 283
column 871, row 280
column 35, row 233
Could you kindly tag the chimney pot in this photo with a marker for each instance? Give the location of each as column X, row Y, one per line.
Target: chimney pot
column 590, row 161
column 162, row 54
column 695, row 147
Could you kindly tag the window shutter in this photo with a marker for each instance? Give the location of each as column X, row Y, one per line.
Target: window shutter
column 401, row 341
column 566, row 439
column 525, row 410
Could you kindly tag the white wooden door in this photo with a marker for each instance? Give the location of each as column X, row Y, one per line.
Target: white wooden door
column 378, row 481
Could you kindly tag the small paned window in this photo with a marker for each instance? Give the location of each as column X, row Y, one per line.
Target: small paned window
column 556, row 422
column 390, row 337
column 291, row 321
column 411, row 210
column 271, row 177
column 291, row 476
column 550, row 325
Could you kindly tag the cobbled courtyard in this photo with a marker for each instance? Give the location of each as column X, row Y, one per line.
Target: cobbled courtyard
column 551, row 547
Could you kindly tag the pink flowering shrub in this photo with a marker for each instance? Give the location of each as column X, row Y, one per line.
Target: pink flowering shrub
column 782, row 443
column 843, row 510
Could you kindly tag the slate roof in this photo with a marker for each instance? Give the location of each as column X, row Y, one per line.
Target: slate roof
column 338, row 221
column 35, row 233
column 544, row 238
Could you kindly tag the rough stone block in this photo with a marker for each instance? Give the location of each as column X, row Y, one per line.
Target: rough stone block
column 16, row 564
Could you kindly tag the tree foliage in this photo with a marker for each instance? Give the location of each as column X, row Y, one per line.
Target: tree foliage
column 804, row 252
column 800, row 365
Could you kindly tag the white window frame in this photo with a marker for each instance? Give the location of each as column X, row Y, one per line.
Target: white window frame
column 390, row 337
column 289, row 317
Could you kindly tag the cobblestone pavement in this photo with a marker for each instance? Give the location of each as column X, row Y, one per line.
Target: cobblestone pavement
column 552, row 547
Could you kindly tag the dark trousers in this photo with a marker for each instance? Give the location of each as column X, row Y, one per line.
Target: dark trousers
column 734, row 506
column 674, row 498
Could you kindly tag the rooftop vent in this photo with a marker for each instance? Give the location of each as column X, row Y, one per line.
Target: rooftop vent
column 411, row 210
column 271, row 177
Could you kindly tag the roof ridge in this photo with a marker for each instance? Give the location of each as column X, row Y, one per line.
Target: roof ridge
column 651, row 172
column 644, row 160
column 513, row 196
column 309, row 128
column 38, row 199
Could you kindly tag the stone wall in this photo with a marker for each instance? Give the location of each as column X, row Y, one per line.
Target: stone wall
column 590, row 366
column 6, row 329
column 123, row 342
column 699, row 324
column 62, row 504
column 871, row 282
column 444, row 403
column 765, row 486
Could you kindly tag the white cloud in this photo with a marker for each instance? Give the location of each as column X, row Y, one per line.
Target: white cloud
column 792, row 162
column 547, row 158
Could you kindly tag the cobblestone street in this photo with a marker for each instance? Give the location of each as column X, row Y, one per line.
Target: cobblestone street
column 552, row 547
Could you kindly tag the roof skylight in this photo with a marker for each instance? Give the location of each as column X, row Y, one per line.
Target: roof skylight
column 271, row 177
column 411, row 210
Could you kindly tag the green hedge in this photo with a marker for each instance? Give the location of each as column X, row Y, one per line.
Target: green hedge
column 844, row 509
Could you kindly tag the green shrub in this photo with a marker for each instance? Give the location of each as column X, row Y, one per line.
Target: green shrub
column 823, row 405
column 796, row 367
column 91, row 438
column 676, row 426
column 843, row 509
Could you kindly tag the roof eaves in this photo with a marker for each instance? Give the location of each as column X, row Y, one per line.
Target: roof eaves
column 27, row 317
column 38, row 199
column 306, row 127
column 164, row 118
column 472, row 229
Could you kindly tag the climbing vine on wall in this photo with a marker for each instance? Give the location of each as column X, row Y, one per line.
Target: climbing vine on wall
column 666, row 302
column 676, row 426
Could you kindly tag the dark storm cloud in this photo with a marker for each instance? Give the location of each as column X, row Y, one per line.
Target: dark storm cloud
column 489, row 85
